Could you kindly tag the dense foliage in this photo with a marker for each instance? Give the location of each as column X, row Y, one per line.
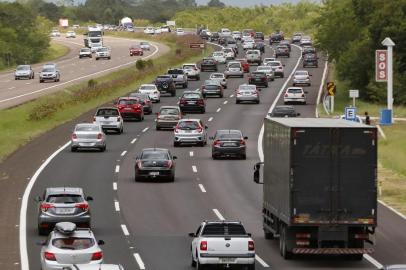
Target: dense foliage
column 23, row 35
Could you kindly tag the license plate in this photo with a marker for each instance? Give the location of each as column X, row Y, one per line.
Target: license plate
column 64, row 211
column 228, row 144
column 191, row 102
column 154, row 173
column 257, row 79
column 106, row 122
column 127, row 109
column 227, row 260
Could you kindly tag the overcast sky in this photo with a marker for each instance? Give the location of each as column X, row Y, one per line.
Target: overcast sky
column 247, row 3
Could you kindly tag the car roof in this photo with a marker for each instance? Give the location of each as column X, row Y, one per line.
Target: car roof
column 189, row 120
column 79, row 232
column 64, row 190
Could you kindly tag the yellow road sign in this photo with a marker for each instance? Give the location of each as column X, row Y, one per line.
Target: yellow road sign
column 331, row 88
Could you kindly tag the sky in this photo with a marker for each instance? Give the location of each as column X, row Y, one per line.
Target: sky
column 248, row 3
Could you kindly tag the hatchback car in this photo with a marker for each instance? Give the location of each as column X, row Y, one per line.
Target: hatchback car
column 88, row 136
column 220, row 57
column 152, row 91
column 277, row 68
column 191, row 71
column 24, row 72
column 212, row 88
column 258, row 79
column 301, row 77
column 85, row 52
column 168, row 117
column 220, row 77
column 130, row 108
column 282, row 50
column 136, row 50
column 192, row 101
column 294, row 95
column 103, row 53
column 267, row 60
column 308, row 49
column 247, row 93
column 145, row 101
column 155, row 164
column 58, row 204
column 109, row 118
column 234, row 69
column 49, row 73
column 190, row 131
column 145, row 45
column 67, row 245
column 268, row 70
column 284, row 111
column 208, row 64
column 228, row 143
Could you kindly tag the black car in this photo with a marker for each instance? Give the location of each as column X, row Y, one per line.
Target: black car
column 286, row 43
column 282, row 50
column 228, row 143
column 192, row 101
column 155, row 164
column 165, row 84
column 259, row 45
column 259, row 35
column 214, row 36
column 284, row 111
column 308, row 50
column 208, row 64
column 258, row 79
column 204, row 35
column 222, row 40
column 275, row 38
column 310, row 60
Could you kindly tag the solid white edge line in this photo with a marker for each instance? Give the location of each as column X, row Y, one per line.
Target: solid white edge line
column 210, row 119
column 145, row 129
column 218, row 214
column 323, row 79
column 392, row 209
column 123, row 153
column 373, row 261
column 125, row 230
column 79, row 78
column 381, row 132
column 117, row 206
column 194, row 168
column 202, row 188
column 261, row 261
column 114, row 185
column 117, row 168
column 139, row 261
column 24, row 206
column 191, row 153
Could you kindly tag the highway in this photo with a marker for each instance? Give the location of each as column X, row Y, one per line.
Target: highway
column 72, row 69
column 145, row 225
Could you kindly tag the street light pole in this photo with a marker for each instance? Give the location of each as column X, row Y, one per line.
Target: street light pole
column 390, row 44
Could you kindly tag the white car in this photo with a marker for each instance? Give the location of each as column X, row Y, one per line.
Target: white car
column 267, row 60
column 224, row 243
column 152, row 92
column 55, row 33
column 225, row 32
column 236, row 35
column 104, row 53
column 306, row 41
column 301, row 77
column 85, row 52
column 157, row 31
column 220, row 57
column 192, row 71
column 248, row 45
column 268, row 70
column 149, row 30
column 109, row 118
column 95, row 47
column 103, row 266
column 220, row 77
column 277, row 67
column 190, row 131
column 229, row 53
column 144, row 45
column 70, row 34
column 294, row 95
column 180, row 32
column 247, row 38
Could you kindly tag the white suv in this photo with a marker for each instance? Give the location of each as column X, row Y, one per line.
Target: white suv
column 152, row 92
column 103, row 52
column 192, row 71
column 109, row 118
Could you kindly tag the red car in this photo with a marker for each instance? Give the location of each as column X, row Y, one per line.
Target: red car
column 245, row 65
column 130, row 108
column 136, row 50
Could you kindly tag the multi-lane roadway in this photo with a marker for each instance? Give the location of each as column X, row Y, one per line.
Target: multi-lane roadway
column 146, row 225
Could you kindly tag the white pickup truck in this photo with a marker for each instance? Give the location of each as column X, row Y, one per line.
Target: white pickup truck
column 222, row 243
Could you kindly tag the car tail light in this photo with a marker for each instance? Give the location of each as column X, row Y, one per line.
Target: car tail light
column 200, row 102
column 251, row 245
column 239, row 93
column 255, row 93
column 49, row 256
column 46, row 206
column 182, row 101
column 158, row 115
column 303, row 95
column 83, row 206
column 199, row 129
column 99, row 136
column 118, row 119
column 242, row 142
column 74, row 136
column 249, row 77
column 139, row 164
column 203, row 245
column 216, row 142
column 264, row 78
column 97, row 256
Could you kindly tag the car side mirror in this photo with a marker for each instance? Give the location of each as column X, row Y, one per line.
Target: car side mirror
column 192, row 234
column 174, row 157
column 245, row 137
column 38, row 199
column 89, row 198
column 100, row 242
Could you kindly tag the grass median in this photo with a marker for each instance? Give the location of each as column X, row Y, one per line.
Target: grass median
column 23, row 123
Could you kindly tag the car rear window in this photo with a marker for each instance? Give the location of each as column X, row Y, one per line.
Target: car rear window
column 191, row 95
column 247, row 87
column 148, row 87
column 73, row 243
column 295, row 90
column 188, row 125
column 235, row 65
column 64, row 198
column 107, row 112
column 217, row 76
column 252, row 52
column 218, row 54
column 87, row 128
column 154, row 155
column 168, row 111
column 301, row 73
column 211, row 87
column 224, row 229
column 225, row 136
column 273, row 64
column 127, row 101
column 264, row 68
column 48, row 70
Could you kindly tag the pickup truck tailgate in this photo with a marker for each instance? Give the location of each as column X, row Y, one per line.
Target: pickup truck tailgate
column 227, row 246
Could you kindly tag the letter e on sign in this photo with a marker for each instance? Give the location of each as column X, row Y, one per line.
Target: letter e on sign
column 381, row 65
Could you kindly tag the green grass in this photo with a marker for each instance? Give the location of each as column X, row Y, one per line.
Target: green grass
column 18, row 129
column 55, row 51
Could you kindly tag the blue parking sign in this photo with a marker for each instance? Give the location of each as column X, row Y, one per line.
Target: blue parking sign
column 350, row 113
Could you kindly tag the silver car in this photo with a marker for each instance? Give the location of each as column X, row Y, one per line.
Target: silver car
column 67, row 245
column 247, row 93
column 301, row 77
column 109, row 118
column 59, row 204
column 168, row 117
column 190, row 131
column 268, row 70
column 24, row 72
column 220, row 77
column 144, row 45
column 87, row 135
column 234, row 69
column 85, row 52
column 49, row 73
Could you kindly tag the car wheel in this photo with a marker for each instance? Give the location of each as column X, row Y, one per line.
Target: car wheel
column 213, row 156
column 176, row 144
column 198, row 78
column 201, row 144
column 172, row 178
column 221, row 95
column 243, row 156
column 42, row 231
column 41, row 81
column 173, row 94
column 136, row 179
column 193, row 263
column 120, row 130
column 109, row 58
column 157, row 128
column 251, row 266
column 257, row 101
column 184, row 85
column 266, row 85
column 16, row 78
column 200, row 266
column 73, row 149
column 268, row 235
column 283, row 244
column 203, row 110
column 237, row 102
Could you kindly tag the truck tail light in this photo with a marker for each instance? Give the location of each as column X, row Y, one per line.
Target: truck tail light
column 363, row 236
column 97, row 256
column 49, row 256
column 74, row 136
column 46, row 206
column 83, row 206
column 99, row 136
column 251, row 245
column 203, row 245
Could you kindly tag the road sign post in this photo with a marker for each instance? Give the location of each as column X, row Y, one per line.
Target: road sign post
column 350, row 113
column 389, row 44
column 354, row 94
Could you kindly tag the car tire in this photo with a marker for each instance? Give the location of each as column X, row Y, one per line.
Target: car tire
column 266, row 85
column 42, row 231
column 157, row 128
column 103, row 148
column 221, row 95
column 243, row 156
column 136, row 179
column 193, row 263
column 203, row 111
column 176, row 144
column 198, row 78
column 184, row 85
column 200, row 266
column 251, row 266
column 213, row 156
column 201, row 144
column 237, row 102
column 282, row 244
column 120, row 130
column 41, row 81
column 16, row 78
column 257, row 101
column 73, row 149
column 268, row 235
column 109, row 58
column 172, row 178
column 173, row 94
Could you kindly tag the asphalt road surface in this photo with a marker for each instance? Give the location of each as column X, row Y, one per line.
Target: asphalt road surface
column 146, row 225
column 72, row 69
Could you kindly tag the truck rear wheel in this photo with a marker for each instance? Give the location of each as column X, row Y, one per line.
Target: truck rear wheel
column 268, row 235
column 283, row 244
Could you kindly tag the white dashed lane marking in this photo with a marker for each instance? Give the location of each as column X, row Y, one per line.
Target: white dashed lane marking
column 191, row 153
column 123, row 153
column 141, row 264
column 145, row 129
column 210, row 119
column 225, row 102
column 218, row 214
column 202, row 188
column 261, row 261
column 194, row 168
column 133, row 141
column 219, row 109
column 125, row 230
column 117, row 206
column 114, row 185
column 117, row 168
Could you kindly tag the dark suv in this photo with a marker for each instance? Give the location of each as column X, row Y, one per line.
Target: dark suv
column 310, row 60
column 282, row 50
column 165, row 84
column 275, row 38
column 192, row 101
column 258, row 78
column 208, row 64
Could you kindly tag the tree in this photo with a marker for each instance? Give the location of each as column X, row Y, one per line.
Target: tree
column 216, row 3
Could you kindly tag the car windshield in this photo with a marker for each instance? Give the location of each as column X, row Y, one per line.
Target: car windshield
column 301, row 73
column 169, row 111
column 224, row 229
column 154, row 155
column 257, row 74
column 64, row 198
column 273, row 64
column 188, row 66
column 148, row 87
column 191, row 95
column 208, row 61
column 102, row 49
column 264, row 68
column 127, row 101
column 48, row 70
column 252, row 52
column 310, row 56
column 283, row 110
column 85, row 50
column 282, row 47
column 107, row 112
column 73, row 243
column 228, row 50
column 87, row 128
column 23, row 67
column 295, row 90
column 140, row 95
column 188, row 125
